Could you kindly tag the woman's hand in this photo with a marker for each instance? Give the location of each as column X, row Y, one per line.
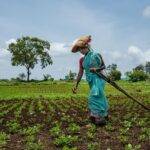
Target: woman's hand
column 93, row 69
column 74, row 89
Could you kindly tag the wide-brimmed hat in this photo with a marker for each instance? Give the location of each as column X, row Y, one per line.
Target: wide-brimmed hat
column 80, row 43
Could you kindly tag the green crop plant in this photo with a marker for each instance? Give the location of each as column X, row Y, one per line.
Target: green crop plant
column 67, row 118
column 56, row 130
column 13, row 126
column 124, row 131
column 110, row 127
column 3, row 139
column 90, row 135
column 131, row 147
column 74, row 128
column 67, row 140
column 31, row 130
column 127, row 124
column 123, row 139
column 69, row 148
column 92, row 146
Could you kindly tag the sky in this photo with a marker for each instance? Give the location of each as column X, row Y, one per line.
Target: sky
column 120, row 31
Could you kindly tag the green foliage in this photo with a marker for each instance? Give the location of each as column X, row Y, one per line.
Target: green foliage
column 123, row 139
column 127, row 124
column 28, row 51
column 131, row 147
column 3, row 139
column 145, row 134
column 139, row 67
column 69, row 148
column 90, row 135
column 65, row 140
column 113, row 73
column 71, row 76
column 147, row 67
column 48, row 77
column 13, row 126
column 92, row 146
column 136, row 75
column 56, row 130
column 112, row 67
column 31, row 130
column 34, row 146
column 22, row 76
column 74, row 128
column 31, row 141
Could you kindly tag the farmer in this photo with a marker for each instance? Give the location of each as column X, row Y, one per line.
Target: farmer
column 90, row 63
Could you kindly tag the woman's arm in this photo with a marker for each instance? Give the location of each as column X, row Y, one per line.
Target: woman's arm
column 80, row 74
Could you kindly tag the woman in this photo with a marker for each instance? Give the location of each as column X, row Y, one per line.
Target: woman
column 90, row 63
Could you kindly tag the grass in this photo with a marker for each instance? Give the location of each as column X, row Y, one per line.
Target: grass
column 63, row 89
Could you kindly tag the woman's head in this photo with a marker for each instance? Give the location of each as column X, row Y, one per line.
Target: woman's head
column 83, row 50
column 81, row 44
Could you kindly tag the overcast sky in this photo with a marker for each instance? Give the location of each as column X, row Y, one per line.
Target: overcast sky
column 120, row 31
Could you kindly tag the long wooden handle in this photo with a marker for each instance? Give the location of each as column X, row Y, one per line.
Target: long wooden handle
column 120, row 89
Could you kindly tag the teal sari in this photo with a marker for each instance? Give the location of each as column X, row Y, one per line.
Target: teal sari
column 97, row 101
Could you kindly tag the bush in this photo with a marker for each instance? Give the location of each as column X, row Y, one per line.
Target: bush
column 113, row 72
column 4, row 80
column 137, row 75
column 115, row 75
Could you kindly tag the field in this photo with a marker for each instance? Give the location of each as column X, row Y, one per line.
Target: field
column 46, row 115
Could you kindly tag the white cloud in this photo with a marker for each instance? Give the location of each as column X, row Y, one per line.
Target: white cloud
column 10, row 41
column 3, row 51
column 146, row 11
column 136, row 54
column 133, row 50
column 127, row 60
column 112, row 56
column 60, row 48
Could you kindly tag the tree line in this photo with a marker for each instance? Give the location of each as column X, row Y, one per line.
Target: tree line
column 29, row 51
column 139, row 73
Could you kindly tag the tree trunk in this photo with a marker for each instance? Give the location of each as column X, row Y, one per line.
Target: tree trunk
column 28, row 74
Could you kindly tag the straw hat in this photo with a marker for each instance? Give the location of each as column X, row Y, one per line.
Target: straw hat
column 80, row 43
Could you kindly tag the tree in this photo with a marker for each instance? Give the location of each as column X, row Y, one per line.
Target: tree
column 70, row 76
column 139, row 67
column 113, row 73
column 147, row 67
column 28, row 51
column 112, row 67
column 22, row 76
column 47, row 77
column 136, row 75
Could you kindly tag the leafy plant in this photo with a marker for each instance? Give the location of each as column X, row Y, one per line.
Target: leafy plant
column 56, row 131
column 92, row 146
column 13, row 126
column 74, row 128
column 3, row 139
column 65, row 140
column 131, row 147
column 123, row 139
